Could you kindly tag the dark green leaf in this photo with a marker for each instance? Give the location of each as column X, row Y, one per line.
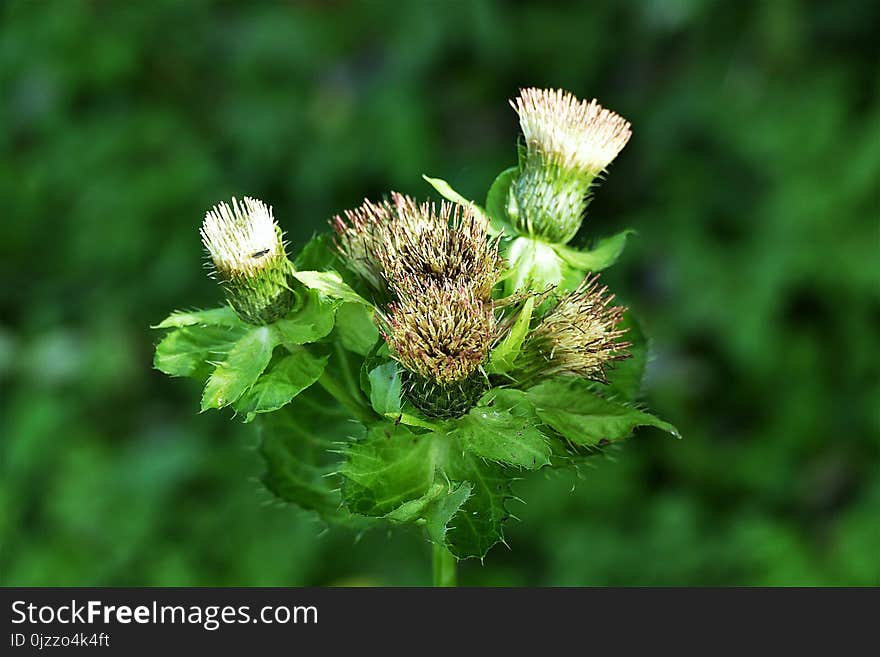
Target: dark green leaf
column 570, row 407
column 283, row 380
column 625, row 377
column 388, row 468
column 502, row 432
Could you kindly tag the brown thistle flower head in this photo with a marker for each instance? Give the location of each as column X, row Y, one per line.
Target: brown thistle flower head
column 247, row 250
column 441, row 334
column 569, row 142
column 580, row 336
column 401, row 242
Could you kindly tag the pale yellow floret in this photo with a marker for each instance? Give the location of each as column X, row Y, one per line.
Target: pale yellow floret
column 241, row 239
column 576, row 134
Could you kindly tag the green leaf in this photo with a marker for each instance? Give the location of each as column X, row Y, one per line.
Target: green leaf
column 569, row 406
column 224, row 316
column 190, row 351
column 331, row 284
column 411, row 419
column 534, row 265
column 479, row 523
column 319, row 254
column 602, row 255
column 503, row 356
column 625, row 376
column 497, row 201
column 388, row 468
column 445, row 190
column 298, row 446
column 385, row 387
column 442, row 509
column 308, row 324
column 413, row 510
column 283, row 380
column 240, row 369
column 503, row 433
column 356, row 328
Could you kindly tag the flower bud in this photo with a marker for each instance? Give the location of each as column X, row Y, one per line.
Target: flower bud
column 247, row 251
column 579, row 336
column 568, row 143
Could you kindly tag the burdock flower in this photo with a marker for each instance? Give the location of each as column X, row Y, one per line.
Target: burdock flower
column 247, row 251
column 580, row 336
column 568, row 143
column 401, row 242
column 441, row 334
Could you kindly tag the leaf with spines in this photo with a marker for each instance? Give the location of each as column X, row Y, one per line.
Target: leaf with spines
column 298, row 445
column 573, row 409
column 503, row 430
column 191, row 350
column 284, row 379
column 443, row 508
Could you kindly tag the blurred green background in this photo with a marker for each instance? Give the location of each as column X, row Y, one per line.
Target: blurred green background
column 753, row 178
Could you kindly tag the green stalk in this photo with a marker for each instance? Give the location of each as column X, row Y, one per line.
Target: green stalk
column 444, row 567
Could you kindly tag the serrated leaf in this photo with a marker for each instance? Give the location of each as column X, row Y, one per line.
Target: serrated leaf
column 297, row 444
column 331, row 284
column 308, row 324
column 411, row 419
column 601, row 256
column 240, row 369
column 356, row 328
column 414, row 509
column 442, row 509
column 388, row 468
column 502, row 358
column 479, row 522
column 189, row 351
column 224, row 316
column 283, row 380
column 499, row 434
column 570, row 407
column 385, row 388
column 497, row 200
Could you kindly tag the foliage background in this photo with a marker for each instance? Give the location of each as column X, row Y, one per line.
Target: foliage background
column 752, row 177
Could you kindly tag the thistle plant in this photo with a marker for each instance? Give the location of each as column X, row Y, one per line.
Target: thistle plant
column 414, row 361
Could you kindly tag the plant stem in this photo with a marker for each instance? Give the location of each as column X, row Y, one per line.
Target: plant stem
column 444, row 566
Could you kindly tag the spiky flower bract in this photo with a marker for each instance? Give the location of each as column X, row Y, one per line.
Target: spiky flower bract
column 246, row 248
column 400, row 240
column 579, row 336
column 441, row 334
column 568, row 143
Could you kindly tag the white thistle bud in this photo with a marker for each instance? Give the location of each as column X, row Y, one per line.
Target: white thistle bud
column 247, row 250
column 569, row 143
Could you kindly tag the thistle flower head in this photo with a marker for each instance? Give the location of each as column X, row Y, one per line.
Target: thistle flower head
column 571, row 133
column 579, row 336
column 440, row 332
column 247, row 250
column 568, row 144
column 401, row 242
